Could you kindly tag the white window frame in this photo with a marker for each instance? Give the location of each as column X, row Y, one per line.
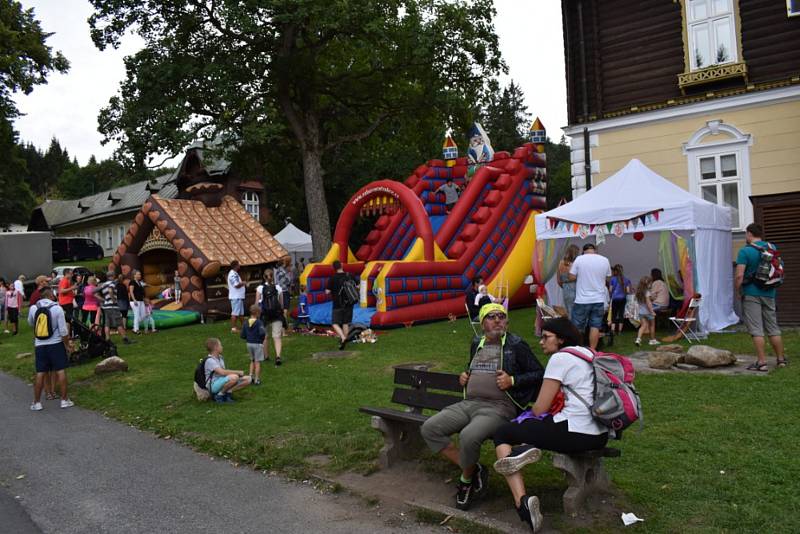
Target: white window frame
column 735, row 142
column 251, row 203
column 121, row 234
column 110, row 238
column 710, row 22
column 98, row 237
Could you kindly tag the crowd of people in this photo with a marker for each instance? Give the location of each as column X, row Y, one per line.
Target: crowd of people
column 596, row 296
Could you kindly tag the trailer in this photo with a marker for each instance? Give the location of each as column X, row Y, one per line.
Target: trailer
column 28, row 253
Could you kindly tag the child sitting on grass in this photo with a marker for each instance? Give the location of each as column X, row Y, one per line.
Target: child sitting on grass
column 221, row 382
column 646, row 314
column 253, row 332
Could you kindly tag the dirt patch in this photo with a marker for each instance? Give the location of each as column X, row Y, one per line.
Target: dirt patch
column 332, row 355
column 640, row 364
column 415, row 484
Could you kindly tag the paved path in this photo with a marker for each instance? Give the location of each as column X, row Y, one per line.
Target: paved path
column 84, row 473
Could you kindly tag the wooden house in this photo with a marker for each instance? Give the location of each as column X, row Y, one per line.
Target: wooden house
column 704, row 92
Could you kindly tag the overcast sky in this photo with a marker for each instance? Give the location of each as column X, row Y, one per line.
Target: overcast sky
column 67, row 107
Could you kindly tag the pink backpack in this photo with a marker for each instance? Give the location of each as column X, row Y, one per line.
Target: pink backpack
column 616, row 402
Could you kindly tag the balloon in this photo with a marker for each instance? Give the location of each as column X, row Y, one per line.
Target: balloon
column 638, row 236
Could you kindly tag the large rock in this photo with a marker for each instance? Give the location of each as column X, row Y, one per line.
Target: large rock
column 674, row 347
column 662, row 360
column 706, row 356
column 202, row 394
column 111, row 365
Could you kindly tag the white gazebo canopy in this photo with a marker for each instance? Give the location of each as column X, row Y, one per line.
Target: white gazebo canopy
column 296, row 242
column 636, row 191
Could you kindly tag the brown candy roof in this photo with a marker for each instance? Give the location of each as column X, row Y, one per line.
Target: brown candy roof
column 224, row 233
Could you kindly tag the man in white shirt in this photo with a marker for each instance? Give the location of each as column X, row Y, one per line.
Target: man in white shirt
column 592, row 273
column 51, row 351
column 236, row 292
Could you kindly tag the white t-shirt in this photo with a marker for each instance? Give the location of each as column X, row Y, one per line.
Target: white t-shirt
column 233, row 291
column 57, row 322
column 592, row 271
column 573, row 372
column 19, row 287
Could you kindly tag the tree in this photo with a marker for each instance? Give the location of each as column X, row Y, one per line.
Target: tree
column 506, row 119
column 25, row 59
column 16, row 200
column 328, row 74
column 559, row 173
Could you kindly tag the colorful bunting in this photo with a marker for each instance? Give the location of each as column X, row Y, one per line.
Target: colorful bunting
column 618, row 228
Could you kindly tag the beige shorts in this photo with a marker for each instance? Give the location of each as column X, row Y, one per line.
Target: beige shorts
column 275, row 328
column 758, row 314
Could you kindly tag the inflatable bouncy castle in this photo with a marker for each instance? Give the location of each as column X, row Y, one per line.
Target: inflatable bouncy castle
column 417, row 261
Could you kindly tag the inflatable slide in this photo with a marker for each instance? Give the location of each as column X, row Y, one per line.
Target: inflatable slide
column 417, row 261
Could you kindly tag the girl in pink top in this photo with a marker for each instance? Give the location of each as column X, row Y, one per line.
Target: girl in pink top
column 13, row 302
column 90, row 303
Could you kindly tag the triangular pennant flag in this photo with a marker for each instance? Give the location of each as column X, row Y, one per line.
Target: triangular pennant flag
column 609, row 226
column 655, row 214
column 643, row 218
column 591, row 228
column 574, row 228
column 627, row 224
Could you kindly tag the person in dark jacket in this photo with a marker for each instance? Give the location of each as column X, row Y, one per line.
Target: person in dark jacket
column 502, row 377
column 254, row 333
column 469, row 297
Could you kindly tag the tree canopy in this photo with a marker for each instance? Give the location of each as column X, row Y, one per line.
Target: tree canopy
column 328, row 74
column 25, row 61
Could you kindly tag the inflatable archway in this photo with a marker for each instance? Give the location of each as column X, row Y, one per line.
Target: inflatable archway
column 382, row 195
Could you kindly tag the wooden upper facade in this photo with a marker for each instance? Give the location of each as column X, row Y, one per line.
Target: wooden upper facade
column 628, row 56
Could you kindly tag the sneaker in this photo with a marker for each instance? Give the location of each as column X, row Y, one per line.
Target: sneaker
column 278, row 361
column 654, row 342
column 464, row 495
column 6, row 331
column 514, row 462
column 480, row 480
column 529, row 512
column 220, row 398
column 256, row 382
column 638, row 342
column 66, row 403
column 36, row 407
column 229, row 398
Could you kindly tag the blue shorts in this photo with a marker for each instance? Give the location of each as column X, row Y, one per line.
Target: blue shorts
column 51, row 358
column 237, row 307
column 588, row 314
column 217, row 383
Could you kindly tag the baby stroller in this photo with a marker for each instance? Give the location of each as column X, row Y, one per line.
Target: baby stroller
column 89, row 343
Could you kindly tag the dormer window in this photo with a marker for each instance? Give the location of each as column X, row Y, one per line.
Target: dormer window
column 711, row 29
column 84, row 205
column 250, row 202
column 153, row 187
column 114, row 197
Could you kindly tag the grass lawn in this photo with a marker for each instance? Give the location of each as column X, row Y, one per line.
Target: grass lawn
column 717, row 453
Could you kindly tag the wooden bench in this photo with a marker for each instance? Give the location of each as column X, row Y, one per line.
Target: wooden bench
column 400, row 428
column 584, row 471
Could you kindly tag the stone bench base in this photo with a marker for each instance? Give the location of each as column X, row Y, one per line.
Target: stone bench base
column 401, row 440
column 585, row 475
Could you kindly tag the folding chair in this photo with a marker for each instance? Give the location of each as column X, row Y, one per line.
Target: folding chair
column 471, row 322
column 545, row 311
column 687, row 323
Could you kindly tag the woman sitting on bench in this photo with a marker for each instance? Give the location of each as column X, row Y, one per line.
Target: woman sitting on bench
column 570, row 430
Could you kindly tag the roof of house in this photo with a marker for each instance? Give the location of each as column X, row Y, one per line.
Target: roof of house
column 120, row 200
column 223, row 233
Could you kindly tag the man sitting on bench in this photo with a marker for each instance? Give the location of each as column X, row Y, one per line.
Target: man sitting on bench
column 503, row 376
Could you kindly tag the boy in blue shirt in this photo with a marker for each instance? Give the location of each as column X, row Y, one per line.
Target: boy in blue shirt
column 303, row 318
column 253, row 332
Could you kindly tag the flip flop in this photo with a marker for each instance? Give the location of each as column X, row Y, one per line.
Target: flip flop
column 783, row 362
column 760, row 367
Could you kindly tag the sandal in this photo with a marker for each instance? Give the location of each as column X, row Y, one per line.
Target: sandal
column 760, row 367
column 783, row 362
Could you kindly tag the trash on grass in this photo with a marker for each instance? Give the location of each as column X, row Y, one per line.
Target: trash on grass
column 629, row 519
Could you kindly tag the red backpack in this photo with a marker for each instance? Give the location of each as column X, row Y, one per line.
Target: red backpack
column 616, row 402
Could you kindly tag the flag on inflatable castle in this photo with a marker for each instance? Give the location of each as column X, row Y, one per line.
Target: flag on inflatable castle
column 537, row 133
column 450, row 151
column 480, row 147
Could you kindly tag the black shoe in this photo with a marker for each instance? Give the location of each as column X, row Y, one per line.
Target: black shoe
column 342, row 344
column 480, row 480
column 464, row 495
column 529, row 512
column 278, row 361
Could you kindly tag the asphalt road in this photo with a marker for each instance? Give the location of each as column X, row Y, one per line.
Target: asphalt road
column 74, row 471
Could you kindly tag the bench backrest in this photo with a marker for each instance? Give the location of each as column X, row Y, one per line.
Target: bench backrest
column 418, row 396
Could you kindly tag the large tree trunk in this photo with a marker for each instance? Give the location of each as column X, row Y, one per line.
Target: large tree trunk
column 315, row 202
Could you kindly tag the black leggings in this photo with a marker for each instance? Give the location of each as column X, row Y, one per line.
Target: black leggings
column 618, row 311
column 548, row 435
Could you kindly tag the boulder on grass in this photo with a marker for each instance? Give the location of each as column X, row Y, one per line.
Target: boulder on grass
column 202, row 394
column 662, row 360
column 673, row 347
column 111, row 365
column 705, row 356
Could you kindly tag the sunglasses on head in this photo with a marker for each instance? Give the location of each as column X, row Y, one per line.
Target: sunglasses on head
column 495, row 316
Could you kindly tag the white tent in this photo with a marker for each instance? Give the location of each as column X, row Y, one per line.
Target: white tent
column 652, row 204
column 296, row 242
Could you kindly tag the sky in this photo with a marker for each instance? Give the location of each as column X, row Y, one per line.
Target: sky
column 67, row 106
